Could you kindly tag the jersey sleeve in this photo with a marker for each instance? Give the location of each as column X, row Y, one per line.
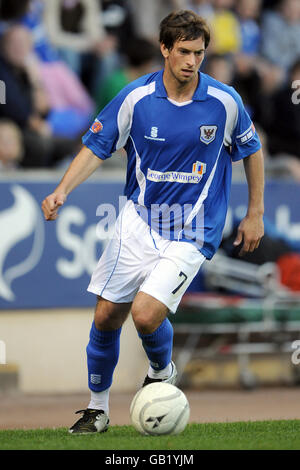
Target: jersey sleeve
column 110, row 130
column 245, row 140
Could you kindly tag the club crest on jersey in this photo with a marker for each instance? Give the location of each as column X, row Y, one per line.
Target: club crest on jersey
column 199, row 168
column 97, row 127
column 208, row 134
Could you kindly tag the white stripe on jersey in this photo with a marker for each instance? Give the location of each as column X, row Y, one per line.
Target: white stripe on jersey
column 231, row 109
column 139, row 175
column 125, row 113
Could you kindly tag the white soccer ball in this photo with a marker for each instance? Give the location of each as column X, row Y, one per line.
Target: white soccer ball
column 159, row 408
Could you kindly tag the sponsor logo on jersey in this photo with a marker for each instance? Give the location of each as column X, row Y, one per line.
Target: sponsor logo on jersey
column 208, row 134
column 154, row 131
column 199, row 168
column 97, row 126
column 194, row 177
column 154, row 135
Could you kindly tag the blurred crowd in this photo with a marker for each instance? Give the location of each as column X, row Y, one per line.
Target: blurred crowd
column 62, row 61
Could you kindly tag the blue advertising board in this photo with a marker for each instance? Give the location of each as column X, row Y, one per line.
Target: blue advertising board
column 49, row 264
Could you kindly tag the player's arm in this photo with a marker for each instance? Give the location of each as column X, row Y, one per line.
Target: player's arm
column 83, row 165
column 251, row 228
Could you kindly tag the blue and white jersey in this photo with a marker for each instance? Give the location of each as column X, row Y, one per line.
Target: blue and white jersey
column 179, row 154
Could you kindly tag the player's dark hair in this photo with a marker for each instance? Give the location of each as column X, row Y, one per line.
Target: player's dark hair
column 183, row 25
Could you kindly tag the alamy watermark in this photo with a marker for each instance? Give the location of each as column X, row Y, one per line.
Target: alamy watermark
column 172, row 222
column 2, row 352
column 2, row 92
column 296, row 94
column 296, row 354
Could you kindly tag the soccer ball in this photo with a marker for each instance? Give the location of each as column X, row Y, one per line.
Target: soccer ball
column 159, row 408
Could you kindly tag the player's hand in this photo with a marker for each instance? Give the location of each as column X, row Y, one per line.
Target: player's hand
column 51, row 204
column 250, row 232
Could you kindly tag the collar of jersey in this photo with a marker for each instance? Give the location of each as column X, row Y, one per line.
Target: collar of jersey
column 200, row 92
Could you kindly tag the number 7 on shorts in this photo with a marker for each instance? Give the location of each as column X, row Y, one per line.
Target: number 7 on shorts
column 181, row 274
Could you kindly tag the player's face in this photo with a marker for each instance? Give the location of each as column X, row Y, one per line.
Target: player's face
column 184, row 59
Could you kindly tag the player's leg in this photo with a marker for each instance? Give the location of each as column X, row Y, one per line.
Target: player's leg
column 156, row 332
column 117, row 278
column 103, row 349
column 160, row 294
column 102, row 357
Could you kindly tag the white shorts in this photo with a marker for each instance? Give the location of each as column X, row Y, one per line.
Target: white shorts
column 139, row 259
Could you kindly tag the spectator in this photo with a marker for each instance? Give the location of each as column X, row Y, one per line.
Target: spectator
column 248, row 12
column 148, row 14
column 11, row 12
column 255, row 78
column 70, row 105
column 37, row 20
column 13, row 9
column 281, row 33
column 203, row 8
column 11, row 145
column 56, row 74
column 140, row 56
column 248, row 82
column 226, row 34
column 284, row 125
column 26, row 103
column 34, row 21
column 15, row 50
column 75, row 28
column 119, row 25
column 118, row 20
column 219, row 67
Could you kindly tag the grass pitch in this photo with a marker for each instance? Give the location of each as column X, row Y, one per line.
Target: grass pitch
column 259, row 435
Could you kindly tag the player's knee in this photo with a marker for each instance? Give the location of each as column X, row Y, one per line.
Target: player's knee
column 145, row 323
column 109, row 316
column 107, row 322
column 147, row 313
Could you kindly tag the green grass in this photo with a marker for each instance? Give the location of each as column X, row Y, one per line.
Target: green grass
column 259, row 435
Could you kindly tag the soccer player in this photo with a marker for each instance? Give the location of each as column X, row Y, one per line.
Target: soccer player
column 181, row 130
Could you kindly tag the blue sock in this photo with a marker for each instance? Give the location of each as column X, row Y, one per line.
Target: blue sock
column 102, row 357
column 158, row 345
